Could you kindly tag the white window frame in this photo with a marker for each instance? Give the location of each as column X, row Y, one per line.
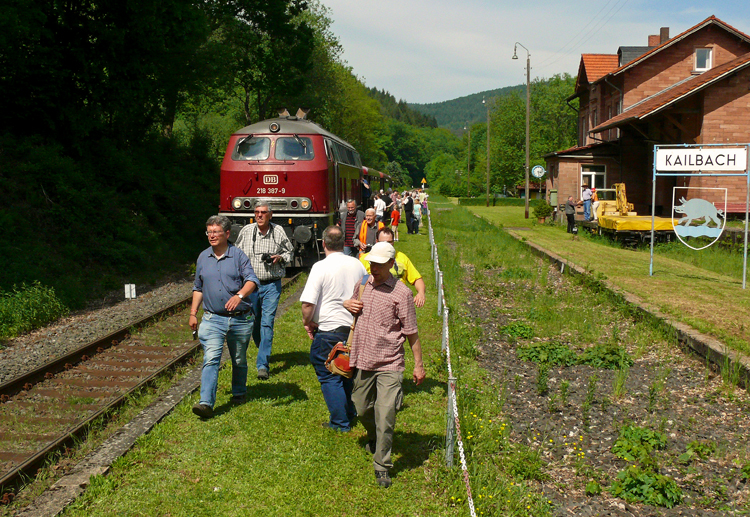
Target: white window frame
column 594, row 175
column 709, row 59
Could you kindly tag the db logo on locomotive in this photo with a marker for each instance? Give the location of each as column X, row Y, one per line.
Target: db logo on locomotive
column 271, row 180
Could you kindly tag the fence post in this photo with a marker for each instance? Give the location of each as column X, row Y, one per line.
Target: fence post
column 440, row 292
column 450, row 424
column 446, row 336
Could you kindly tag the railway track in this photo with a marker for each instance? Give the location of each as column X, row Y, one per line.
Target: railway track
column 48, row 408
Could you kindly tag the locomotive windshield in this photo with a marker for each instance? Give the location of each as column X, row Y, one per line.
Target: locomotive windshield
column 294, row 148
column 252, row 148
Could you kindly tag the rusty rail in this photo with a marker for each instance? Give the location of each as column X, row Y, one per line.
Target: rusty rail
column 64, row 405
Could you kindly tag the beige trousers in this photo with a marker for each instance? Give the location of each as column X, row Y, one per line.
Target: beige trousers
column 377, row 397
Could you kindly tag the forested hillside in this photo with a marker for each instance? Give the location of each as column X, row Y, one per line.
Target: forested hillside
column 456, row 113
column 552, row 128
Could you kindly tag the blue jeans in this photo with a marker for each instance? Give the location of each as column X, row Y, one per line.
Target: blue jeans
column 587, row 209
column 265, row 301
column 352, row 251
column 213, row 330
column 337, row 390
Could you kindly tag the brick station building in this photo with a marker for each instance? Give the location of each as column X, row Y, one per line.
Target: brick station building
column 693, row 88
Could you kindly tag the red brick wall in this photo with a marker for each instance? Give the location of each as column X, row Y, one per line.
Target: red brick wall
column 676, row 63
column 726, row 111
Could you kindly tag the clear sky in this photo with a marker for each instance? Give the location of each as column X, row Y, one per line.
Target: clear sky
column 425, row 51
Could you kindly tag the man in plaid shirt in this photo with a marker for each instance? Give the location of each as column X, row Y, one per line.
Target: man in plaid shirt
column 387, row 319
column 269, row 250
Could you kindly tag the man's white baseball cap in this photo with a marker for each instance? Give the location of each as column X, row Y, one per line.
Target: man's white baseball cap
column 381, row 253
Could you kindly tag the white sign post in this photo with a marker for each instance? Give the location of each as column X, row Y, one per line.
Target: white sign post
column 701, row 160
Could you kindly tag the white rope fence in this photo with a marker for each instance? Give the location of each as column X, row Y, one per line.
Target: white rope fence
column 453, row 425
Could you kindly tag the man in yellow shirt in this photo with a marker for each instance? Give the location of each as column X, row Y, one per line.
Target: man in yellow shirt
column 402, row 268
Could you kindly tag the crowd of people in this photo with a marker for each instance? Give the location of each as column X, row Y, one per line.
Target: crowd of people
column 362, row 276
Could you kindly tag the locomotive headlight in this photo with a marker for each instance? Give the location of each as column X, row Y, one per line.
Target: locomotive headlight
column 237, row 203
column 305, row 204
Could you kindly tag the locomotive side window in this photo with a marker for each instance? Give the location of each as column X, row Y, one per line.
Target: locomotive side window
column 294, row 148
column 252, row 148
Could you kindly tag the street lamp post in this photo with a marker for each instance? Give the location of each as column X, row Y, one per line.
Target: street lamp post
column 528, row 109
column 488, row 150
column 468, row 161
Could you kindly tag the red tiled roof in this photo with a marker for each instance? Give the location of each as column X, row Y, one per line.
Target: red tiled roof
column 575, row 149
column 598, row 65
column 661, row 100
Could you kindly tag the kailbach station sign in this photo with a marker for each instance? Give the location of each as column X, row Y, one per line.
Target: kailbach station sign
column 726, row 159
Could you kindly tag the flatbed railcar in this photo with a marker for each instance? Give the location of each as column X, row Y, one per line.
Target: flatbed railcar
column 302, row 171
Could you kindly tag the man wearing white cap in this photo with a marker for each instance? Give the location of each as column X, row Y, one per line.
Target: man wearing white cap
column 387, row 318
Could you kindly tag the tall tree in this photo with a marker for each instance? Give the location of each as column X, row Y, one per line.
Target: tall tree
column 269, row 49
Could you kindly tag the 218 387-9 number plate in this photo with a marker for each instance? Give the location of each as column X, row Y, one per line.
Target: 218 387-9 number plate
column 270, row 179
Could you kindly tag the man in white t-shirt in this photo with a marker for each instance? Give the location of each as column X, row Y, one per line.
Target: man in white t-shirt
column 379, row 207
column 331, row 281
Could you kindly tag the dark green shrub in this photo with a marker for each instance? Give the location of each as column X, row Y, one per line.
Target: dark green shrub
column 593, row 488
column 518, row 329
column 637, row 443
column 543, row 210
column 549, row 352
column 700, row 449
column 637, row 485
column 609, row 356
column 27, row 308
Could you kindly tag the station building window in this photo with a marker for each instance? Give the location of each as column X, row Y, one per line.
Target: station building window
column 594, row 175
column 702, row 59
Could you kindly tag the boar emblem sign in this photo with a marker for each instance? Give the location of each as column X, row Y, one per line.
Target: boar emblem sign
column 699, row 217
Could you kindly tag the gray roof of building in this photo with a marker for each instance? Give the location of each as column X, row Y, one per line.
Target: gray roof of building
column 627, row 54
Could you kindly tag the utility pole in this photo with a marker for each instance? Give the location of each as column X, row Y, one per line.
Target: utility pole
column 488, row 150
column 468, row 161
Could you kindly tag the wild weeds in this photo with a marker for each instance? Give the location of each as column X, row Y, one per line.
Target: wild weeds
column 542, row 378
column 621, row 376
column 589, row 400
column 28, row 307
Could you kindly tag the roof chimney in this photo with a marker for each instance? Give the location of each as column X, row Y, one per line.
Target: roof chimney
column 653, row 40
column 663, row 34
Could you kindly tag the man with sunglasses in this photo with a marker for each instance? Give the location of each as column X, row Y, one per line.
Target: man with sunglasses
column 224, row 279
column 269, row 250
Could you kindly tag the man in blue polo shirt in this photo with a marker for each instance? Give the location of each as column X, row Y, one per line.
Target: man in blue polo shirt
column 224, row 278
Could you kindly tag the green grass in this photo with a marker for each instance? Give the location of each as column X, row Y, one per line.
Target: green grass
column 271, row 456
column 700, row 288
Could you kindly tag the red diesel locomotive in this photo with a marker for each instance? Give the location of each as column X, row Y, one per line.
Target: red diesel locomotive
column 304, row 173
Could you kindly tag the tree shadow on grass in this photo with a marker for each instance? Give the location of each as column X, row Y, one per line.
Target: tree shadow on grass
column 409, row 386
column 415, row 449
column 281, row 393
column 285, row 361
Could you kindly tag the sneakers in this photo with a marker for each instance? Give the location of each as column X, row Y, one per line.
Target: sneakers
column 382, row 478
column 238, row 399
column 370, row 446
column 263, row 374
column 203, row 410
